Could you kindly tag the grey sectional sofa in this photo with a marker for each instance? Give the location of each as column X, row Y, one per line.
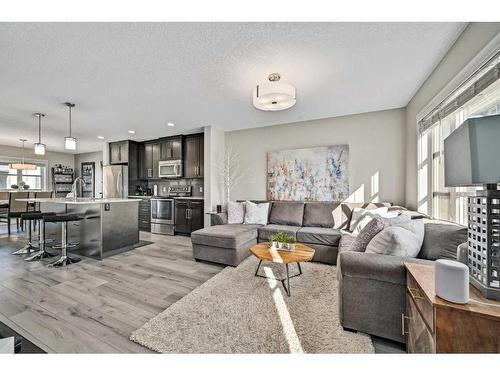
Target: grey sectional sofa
column 372, row 287
column 311, row 223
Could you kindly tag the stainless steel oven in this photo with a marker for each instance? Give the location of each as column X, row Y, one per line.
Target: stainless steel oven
column 162, row 215
column 170, row 169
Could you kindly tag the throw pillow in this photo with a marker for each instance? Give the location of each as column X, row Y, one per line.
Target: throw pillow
column 256, row 213
column 402, row 218
column 360, row 217
column 404, row 240
column 374, row 227
column 441, row 240
column 235, row 212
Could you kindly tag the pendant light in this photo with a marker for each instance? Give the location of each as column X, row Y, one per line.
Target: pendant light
column 39, row 147
column 22, row 165
column 274, row 95
column 70, row 142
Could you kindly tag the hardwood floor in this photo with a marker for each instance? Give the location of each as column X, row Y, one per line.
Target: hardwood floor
column 93, row 306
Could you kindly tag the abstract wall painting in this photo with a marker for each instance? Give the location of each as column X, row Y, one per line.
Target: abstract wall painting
column 308, row 174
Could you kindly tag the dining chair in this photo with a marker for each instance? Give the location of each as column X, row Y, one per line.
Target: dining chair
column 16, row 208
column 42, row 194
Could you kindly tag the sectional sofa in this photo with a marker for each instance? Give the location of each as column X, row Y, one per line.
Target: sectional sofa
column 317, row 224
column 372, row 287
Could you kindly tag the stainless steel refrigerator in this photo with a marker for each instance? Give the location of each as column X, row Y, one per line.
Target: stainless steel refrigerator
column 115, row 181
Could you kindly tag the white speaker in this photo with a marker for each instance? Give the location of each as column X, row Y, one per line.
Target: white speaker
column 452, row 281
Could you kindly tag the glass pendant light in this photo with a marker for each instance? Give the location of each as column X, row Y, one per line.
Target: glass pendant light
column 70, row 142
column 39, row 147
column 22, row 165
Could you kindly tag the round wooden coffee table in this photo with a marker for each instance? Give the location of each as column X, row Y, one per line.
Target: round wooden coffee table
column 263, row 251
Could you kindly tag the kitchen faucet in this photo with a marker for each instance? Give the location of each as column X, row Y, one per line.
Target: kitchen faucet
column 73, row 189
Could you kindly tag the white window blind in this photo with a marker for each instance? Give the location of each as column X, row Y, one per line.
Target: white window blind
column 478, row 96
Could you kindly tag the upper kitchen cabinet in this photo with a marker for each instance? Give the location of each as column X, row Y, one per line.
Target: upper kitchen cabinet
column 193, row 156
column 125, row 152
column 118, row 152
column 149, row 157
column 171, row 148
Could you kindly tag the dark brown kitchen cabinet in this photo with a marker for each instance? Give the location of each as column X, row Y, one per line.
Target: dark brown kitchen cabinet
column 149, row 156
column 119, row 152
column 145, row 215
column 193, row 156
column 182, row 225
column 196, row 215
column 125, row 152
column 188, row 215
column 171, row 148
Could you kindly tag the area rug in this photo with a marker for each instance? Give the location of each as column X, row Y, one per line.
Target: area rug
column 236, row 312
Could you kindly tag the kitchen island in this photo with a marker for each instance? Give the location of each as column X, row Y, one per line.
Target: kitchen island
column 109, row 225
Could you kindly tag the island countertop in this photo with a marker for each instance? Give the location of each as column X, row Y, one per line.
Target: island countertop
column 78, row 201
column 106, row 226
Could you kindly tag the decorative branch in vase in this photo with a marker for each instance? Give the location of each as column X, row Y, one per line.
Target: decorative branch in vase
column 231, row 171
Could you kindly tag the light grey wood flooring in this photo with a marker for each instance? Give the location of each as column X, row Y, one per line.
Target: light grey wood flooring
column 93, row 306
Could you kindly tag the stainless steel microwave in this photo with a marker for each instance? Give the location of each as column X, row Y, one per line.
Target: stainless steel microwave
column 170, row 169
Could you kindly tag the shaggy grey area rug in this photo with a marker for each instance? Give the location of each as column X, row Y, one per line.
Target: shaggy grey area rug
column 236, row 312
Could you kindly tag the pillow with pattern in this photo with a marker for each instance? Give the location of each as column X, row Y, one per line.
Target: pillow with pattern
column 235, row 212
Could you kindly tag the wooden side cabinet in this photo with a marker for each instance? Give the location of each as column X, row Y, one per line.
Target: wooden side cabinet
column 433, row 325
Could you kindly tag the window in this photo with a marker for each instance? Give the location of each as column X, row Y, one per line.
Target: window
column 36, row 179
column 479, row 96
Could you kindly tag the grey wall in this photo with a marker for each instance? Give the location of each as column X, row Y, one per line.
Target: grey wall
column 52, row 158
column 473, row 39
column 214, row 146
column 97, row 158
column 376, row 148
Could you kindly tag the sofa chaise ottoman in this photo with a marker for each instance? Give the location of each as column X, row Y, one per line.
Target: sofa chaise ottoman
column 316, row 224
column 225, row 244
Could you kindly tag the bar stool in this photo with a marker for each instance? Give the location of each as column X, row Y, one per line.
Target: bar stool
column 28, row 216
column 64, row 260
column 42, row 242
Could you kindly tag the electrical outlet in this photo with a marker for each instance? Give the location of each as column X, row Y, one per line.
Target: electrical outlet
column 201, row 189
column 164, row 189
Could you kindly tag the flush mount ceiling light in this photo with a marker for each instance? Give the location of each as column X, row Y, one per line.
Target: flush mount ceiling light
column 70, row 142
column 22, row 165
column 131, row 132
column 274, row 95
column 39, row 147
column 100, row 137
column 170, row 124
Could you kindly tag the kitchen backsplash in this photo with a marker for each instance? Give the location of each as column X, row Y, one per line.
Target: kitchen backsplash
column 196, row 183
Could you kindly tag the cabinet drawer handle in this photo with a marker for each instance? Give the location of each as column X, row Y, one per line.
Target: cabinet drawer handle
column 404, row 332
column 414, row 293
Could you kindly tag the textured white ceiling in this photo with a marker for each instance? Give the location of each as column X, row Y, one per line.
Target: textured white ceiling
column 142, row 75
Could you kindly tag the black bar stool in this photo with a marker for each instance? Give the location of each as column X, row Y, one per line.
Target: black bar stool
column 42, row 242
column 64, row 260
column 28, row 216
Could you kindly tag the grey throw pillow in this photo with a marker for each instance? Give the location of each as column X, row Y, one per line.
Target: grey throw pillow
column 370, row 230
column 441, row 240
column 374, row 227
column 404, row 240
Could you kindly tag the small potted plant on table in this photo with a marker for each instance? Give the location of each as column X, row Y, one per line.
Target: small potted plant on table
column 282, row 241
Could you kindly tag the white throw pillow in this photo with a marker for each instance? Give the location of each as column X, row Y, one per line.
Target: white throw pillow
column 235, row 212
column 256, row 213
column 404, row 240
column 361, row 216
